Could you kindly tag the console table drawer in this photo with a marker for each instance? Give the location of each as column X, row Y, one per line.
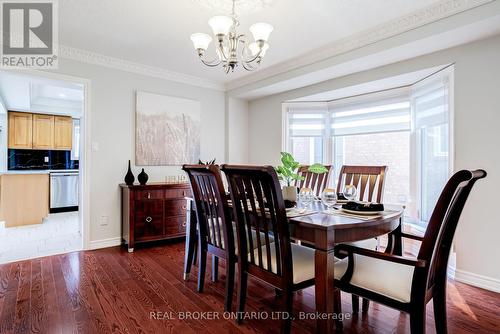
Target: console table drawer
column 175, row 207
column 175, row 225
column 149, row 194
column 177, row 193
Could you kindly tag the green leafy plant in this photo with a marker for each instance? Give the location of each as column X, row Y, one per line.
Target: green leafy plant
column 289, row 167
column 317, row 169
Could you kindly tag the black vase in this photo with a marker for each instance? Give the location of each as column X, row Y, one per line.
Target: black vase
column 129, row 177
column 143, row 177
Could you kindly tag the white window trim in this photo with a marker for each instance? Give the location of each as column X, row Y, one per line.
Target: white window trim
column 447, row 74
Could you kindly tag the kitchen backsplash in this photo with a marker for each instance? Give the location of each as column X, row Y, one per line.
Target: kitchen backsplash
column 40, row 159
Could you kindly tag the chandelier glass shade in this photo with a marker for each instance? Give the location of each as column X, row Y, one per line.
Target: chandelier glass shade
column 233, row 48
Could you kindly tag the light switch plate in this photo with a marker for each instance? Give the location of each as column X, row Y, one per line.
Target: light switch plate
column 46, row 159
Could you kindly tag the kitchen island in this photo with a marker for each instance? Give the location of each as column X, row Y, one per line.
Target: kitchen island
column 24, row 197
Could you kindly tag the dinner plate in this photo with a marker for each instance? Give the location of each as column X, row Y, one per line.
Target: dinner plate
column 362, row 213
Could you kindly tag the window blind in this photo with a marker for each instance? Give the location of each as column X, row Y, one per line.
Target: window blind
column 385, row 115
column 307, row 122
column 431, row 103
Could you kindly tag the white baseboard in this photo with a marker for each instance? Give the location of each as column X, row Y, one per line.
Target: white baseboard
column 480, row 281
column 105, row 243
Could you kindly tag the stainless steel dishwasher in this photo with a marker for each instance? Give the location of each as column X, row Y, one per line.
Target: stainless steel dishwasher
column 63, row 191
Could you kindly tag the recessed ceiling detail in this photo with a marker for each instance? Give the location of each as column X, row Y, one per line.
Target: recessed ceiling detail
column 244, row 6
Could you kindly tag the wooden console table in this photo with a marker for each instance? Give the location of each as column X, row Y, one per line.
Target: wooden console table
column 152, row 212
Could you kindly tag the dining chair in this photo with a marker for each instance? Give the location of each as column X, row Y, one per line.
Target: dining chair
column 369, row 182
column 258, row 202
column 408, row 283
column 216, row 230
column 317, row 182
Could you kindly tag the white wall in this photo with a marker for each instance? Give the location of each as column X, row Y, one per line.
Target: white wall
column 237, row 127
column 477, row 135
column 113, row 131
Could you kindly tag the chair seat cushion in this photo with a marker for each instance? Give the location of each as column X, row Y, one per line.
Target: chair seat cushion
column 254, row 238
column 302, row 261
column 390, row 279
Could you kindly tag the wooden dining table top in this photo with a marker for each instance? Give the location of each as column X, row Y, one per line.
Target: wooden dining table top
column 324, row 230
column 319, row 218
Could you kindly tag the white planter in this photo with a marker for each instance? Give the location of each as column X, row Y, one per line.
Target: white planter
column 290, row 193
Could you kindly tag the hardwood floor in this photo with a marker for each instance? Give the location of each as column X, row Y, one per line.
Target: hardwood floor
column 110, row 290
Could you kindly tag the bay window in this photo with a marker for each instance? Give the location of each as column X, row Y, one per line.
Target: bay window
column 407, row 129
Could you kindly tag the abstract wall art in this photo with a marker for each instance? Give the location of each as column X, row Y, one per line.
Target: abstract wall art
column 167, row 130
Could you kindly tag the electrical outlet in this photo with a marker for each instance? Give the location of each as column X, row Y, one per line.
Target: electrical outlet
column 46, row 159
column 104, row 221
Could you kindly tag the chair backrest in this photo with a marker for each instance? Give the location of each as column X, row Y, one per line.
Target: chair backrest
column 258, row 203
column 317, row 182
column 212, row 210
column 436, row 245
column 368, row 180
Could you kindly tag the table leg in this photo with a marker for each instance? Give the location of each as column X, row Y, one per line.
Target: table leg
column 395, row 243
column 398, row 242
column 324, row 266
column 191, row 237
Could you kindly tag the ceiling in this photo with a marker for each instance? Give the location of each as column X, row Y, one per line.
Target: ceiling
column 398, row 81
column 22, row 92
column 157, row 34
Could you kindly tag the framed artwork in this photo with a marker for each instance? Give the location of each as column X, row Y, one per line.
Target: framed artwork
column 167, row 130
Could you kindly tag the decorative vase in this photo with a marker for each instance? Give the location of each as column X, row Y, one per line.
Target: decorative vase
column 290, row 193
column 129, row 177
column 143, row 177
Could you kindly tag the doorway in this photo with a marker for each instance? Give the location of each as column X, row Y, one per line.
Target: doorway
column 43, row 164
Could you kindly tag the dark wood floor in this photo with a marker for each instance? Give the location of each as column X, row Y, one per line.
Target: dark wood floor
column 111, row 291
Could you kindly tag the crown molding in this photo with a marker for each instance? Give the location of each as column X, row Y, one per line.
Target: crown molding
column 416, row 19
column 89, row 57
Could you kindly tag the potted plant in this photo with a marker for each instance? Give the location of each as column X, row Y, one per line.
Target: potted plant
column 288, row 173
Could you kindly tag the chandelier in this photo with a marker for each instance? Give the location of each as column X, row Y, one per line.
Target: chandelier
column 228, row 52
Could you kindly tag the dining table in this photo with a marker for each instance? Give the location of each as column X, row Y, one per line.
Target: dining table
column 322, row 230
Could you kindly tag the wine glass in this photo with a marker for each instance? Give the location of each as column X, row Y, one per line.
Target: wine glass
column 329, row 199
column 350, row 192
column 306, row 196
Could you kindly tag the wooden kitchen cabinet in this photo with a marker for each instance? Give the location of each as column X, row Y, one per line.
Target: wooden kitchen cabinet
column 63, row 133
column 24, row 198
column 20, row 130
column 153, row 212
column 43, row 132
column 40, row 132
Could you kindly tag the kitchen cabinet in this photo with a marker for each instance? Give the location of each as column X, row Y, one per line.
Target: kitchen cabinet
column 153, row 212
column 43, row 132
column 24, row 198
column 20, row 130
column 63, row 133
column 40, row 131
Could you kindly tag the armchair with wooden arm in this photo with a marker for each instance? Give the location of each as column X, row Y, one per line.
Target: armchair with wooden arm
column 408, row 283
